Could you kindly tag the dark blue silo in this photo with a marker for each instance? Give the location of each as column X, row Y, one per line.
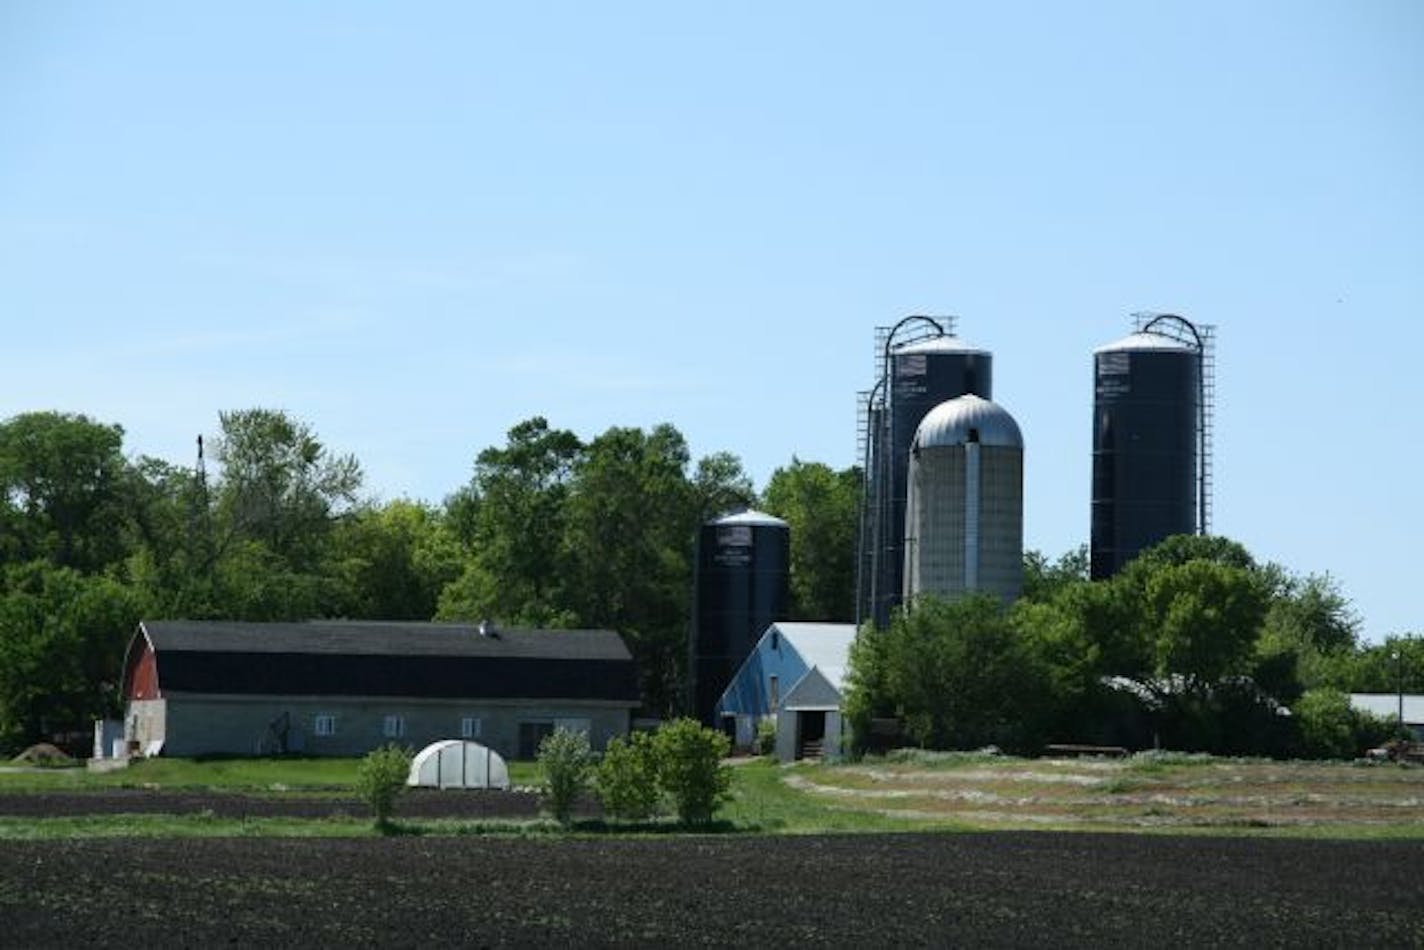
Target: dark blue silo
column 743, row 586
column 922, row 375
column 1146, row 438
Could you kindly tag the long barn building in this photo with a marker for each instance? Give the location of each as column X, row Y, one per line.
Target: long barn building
column 196, row 688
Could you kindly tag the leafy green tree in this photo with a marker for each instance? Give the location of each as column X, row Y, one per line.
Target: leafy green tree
column 172, row 556
column 1327, row 724
column 1043, row 579
column 867, row 694
column 280, row 486
column 1308, row 637
column 252, row 582
column 690, row 768
column 381, row 779
column 567, row 763
column 719, row 484
column 1203, row 618
column 62, row 480
column 1059, row 643
column 511, row 520
column 393, row 560
column 821, row 506
column 631, row 523
column 1182, row 548
column 627, row 777
column 62, row 639
column 956, row 674
column 1395, row 665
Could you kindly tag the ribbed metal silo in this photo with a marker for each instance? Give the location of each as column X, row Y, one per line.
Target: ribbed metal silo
column 743, row 586
column 964, row 514
column 1149, row 443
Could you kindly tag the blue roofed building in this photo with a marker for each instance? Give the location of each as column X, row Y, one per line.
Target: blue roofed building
column 795, row 675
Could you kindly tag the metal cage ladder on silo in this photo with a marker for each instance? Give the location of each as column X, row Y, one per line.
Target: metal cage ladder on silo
column 1202, row 338
column 872, row 443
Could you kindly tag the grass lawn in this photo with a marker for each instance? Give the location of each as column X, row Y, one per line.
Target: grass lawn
column 911, row 791
column 273, row 775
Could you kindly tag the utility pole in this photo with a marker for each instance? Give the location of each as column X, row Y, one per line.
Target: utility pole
column 1398, row 659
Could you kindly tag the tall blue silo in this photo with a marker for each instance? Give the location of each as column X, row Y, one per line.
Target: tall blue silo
column 742, row 587
column 921, row 376
column 1149, row 442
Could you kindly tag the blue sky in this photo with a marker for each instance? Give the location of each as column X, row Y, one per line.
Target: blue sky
column 414, row 225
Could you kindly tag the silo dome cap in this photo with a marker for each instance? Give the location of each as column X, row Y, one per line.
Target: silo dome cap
column 953, row 422
column 1137, row 342
column 750, row 517
column 937, row 344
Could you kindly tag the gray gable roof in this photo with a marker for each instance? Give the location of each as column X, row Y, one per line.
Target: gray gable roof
column 813, row 691
column 380, row 638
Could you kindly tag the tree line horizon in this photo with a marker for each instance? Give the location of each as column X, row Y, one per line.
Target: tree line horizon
column 549, row 531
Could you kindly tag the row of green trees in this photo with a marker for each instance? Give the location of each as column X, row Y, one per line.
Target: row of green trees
column 550, row 531
column 1194, row 645
column 555, row 531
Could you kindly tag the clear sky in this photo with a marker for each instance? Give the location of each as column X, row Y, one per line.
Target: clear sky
column 413, row 225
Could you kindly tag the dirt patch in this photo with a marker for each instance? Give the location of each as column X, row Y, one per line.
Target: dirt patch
column 997, row 889
column 44, row 754
column 1124, row 795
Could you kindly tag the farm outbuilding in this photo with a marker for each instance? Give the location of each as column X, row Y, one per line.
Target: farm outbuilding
column 458, row 763
column 343, row 688
column 1394, row 707
column 795, row 676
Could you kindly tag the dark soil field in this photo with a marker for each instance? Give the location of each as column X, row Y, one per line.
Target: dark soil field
column 1026, row 888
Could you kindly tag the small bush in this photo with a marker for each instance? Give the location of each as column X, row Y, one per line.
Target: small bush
column 690, row 768
column 566, row 761
column 766, row 736
column 1327, row 724
column 380, row 779
column 627, row 778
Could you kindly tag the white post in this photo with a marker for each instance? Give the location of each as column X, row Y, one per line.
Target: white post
column 971, row 516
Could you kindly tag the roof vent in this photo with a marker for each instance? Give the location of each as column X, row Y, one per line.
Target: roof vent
column 487, row 629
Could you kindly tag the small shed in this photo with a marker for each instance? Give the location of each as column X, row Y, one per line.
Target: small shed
column 458, row 763
column 795, row 676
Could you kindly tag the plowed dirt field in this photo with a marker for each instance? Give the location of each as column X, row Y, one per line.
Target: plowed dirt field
column 981, row 889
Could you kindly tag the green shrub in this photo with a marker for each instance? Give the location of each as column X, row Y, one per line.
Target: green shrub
column 690, row 768
column 380, row 779
column 766, row 736
column 566, row 761
column 1327, row 724
column 627, row 778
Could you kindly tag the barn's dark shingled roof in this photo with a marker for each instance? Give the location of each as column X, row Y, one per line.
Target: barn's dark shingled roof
column 341, row 658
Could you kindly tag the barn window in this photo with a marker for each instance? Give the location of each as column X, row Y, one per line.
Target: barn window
column 324, row 725
column 395, row 727
column 774, row 692
column 470, row 727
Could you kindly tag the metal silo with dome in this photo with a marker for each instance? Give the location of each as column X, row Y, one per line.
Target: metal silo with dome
column 964, row 514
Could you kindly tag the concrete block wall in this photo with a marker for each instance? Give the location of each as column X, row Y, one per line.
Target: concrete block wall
column 240, row 725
